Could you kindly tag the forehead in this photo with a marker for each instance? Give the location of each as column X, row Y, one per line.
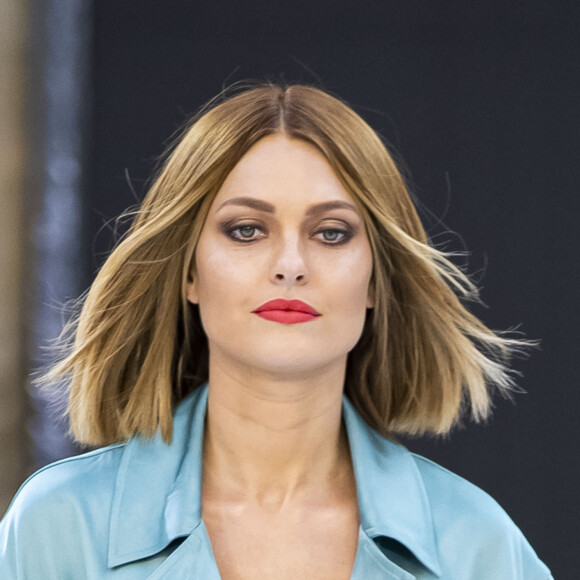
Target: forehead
column 283, row 171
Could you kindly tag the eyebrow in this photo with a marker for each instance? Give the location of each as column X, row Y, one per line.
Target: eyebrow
column 267, row 207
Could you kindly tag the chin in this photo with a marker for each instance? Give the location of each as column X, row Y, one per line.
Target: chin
column 288, row 362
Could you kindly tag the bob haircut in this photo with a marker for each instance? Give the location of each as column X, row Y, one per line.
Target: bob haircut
column 135, row 346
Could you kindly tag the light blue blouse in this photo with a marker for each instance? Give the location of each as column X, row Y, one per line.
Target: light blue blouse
column 133, row 511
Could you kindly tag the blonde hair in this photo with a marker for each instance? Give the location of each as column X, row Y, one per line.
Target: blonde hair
column 136, row 346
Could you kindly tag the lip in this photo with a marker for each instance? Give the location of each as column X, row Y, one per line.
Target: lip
column 287, row 311
column 281, row 304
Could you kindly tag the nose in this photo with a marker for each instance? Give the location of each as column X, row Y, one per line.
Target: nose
column 290, row 265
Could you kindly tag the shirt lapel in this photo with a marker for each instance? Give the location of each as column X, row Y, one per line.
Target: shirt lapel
column 371, row 564
column 192, row 559
column 157, row 496
column 392, row 499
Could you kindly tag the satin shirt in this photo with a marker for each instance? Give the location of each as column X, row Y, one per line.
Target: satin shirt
column 133, row 511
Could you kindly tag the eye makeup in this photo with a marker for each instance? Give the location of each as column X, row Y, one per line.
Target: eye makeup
column 237, row 231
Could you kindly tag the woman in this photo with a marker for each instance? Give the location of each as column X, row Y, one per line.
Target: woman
column 248, row 353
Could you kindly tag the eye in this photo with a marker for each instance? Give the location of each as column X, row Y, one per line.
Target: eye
column 244, row 233
column 334, row 236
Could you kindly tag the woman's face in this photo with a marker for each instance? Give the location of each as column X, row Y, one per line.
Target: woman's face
column 282, row 227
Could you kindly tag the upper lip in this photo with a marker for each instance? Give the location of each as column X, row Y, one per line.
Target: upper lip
column 281, row 304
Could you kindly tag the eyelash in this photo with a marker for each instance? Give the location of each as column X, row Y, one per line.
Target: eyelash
column 229, row 231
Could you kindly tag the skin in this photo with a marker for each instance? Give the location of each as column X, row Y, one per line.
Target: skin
column 278, row 489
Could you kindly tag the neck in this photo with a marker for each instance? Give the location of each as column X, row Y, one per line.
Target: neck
column 271, row 440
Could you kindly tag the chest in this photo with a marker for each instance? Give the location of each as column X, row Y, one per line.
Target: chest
column 312, row 543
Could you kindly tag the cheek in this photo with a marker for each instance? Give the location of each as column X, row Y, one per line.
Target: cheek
column 348, row 277
column 214, row 292
column 223, row 279
column 210, row 278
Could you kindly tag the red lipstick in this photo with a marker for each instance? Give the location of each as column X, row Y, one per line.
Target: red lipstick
column 287, row 311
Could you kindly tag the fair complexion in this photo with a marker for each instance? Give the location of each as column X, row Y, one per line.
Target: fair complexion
column 278, row 491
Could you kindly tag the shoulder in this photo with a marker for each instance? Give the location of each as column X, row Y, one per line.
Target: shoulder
column 469, row 521
column 71, row 479
column 58, row 506
column 450, row 495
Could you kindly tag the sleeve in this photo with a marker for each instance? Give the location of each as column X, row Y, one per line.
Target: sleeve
column 28, row 548
column 532, row 567
column 39, row 536
column 8, row 548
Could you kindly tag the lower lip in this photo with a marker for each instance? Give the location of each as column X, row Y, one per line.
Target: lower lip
column 286, row 316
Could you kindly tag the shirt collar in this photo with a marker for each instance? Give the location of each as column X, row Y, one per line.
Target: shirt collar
column 392, row 498
column 158, row 489
column 158, row 493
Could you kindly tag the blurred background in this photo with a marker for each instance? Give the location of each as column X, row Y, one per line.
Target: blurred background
column 480, row 99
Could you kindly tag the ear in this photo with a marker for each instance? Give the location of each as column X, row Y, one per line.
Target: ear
column 371, row 296
column 191, row 291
